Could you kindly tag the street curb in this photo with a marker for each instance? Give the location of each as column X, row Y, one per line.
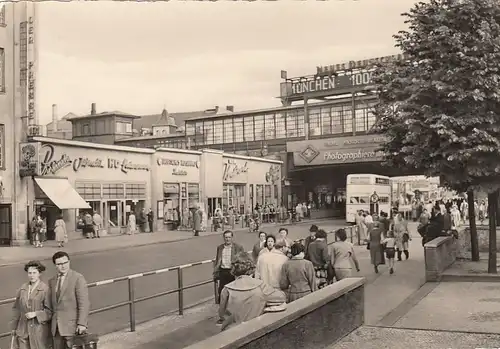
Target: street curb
column 406, row 305
column 469, row 278
column 241, row 230
column 433, row 330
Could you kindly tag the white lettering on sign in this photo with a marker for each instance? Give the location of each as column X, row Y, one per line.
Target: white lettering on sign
column 359, row 155
column 126, row 165
column 179, row 172
column 354, row 141
column 31, row 69
column 232, row 169
column 324, row 83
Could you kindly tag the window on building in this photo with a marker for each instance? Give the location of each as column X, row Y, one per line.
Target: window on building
column 238, row 129
column 336, row 115
column 2, row 16
column 370, row 117
column 2, row 70
column 248, row 128
column 314, row 121
column 23, row 53
column 280, row 125
column 218, row 132
column 199, row 128
column 85, row 129
column 326, row 121
column 135, row 190
column 88, row 191
column 347, row 118
column 228, row 131
column 291, row 124
column 360, row 119
column 269, row 126
column 268, row 194
column 300, row 123
column 259, row 194
column 190, row 129
column 123, row 127
column 259, row 127
column 113, row 191
column 2, row 146
column 276, row 195
column 208, row 132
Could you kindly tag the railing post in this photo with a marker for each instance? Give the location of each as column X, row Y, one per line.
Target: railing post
column 180, row 283
column 131, row 307
column 358, row 234
column 352, row 233
column 216, row 293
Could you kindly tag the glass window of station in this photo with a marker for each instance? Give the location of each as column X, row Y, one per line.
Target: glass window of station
column 285, row 124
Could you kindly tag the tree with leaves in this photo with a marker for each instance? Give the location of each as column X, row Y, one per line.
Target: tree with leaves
column 440, row 108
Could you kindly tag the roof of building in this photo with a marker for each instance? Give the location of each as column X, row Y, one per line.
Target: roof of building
column 65, row 118
column 147, row 137
column 147, row 121
column 165, row 119
column 106, row 113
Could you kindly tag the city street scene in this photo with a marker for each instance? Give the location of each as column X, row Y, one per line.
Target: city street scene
column 223, row 175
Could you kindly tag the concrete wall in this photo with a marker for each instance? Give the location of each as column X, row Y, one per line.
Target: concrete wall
column 482, row 237
column 315, row 321
column 440, row 253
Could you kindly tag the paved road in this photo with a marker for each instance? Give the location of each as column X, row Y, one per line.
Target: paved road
column 104, row 265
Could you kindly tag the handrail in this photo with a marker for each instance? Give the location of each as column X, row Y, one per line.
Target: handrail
column 132, row 301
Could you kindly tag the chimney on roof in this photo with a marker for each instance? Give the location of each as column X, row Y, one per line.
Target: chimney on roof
column 230, row 108
column 216, row 109
column 92, row 109
column 54, row 117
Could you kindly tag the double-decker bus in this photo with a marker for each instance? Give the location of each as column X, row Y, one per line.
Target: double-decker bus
column 367, row 192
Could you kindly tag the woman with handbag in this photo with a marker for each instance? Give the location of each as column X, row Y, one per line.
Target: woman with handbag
column 374, row 244
column 401, row 235
column 60, row 231
column 40, row 231
column 31, row 312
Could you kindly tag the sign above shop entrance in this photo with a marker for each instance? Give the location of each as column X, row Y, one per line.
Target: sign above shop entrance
column 174, row 162
column 340, row 150
column 233, row 169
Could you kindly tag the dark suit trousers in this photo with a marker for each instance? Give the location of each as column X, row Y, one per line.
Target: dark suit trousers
column 61, row 342
column 225, row 277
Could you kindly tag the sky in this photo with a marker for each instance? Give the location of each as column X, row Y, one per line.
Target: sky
column 139, row 57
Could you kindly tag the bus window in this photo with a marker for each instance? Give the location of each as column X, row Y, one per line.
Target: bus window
column 383, row 181
column 354, row 200
column 364, row 199
column 383, row 199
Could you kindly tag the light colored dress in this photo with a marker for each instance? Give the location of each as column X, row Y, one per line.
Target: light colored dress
column 132, row 226
column 60, row 230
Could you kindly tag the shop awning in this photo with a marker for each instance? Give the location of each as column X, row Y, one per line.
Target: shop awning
column 62, row 194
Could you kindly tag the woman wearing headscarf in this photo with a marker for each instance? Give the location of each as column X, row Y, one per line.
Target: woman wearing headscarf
column 318, row 254
column 31, row 312
column 297, row 275
column 246, row 298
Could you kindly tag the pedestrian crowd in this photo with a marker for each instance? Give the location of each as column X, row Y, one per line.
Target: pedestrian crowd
column 277, row 271
column 54, row 314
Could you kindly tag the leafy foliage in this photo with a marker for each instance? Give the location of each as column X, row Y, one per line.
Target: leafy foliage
column 441, row 108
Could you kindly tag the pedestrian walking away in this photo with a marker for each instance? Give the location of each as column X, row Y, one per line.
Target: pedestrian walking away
column 389, row 244
column 298, row 278
column 343, row 256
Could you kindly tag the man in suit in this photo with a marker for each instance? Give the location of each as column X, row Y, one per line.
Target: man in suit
column 69, row 299
column 226, row 254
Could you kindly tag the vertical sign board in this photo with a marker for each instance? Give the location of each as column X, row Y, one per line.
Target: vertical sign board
column 29, row 159
column 32, row 63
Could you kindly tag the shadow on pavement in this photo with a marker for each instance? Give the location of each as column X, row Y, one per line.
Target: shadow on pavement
column 185, row 336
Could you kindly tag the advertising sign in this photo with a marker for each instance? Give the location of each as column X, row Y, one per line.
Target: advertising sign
column 361, row 64
column 29, row 162
column 330, row 83
column 340, row 150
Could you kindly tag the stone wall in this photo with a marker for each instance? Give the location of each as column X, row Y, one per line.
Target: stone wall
column 440, row 253
column 315, row 321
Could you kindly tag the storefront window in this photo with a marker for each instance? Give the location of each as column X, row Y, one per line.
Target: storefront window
column 280, row 125
column 248, row 128
column 228, row 131
column 267, row 194
column 218, row 132
column 250, row 195
column 269, row 126
column 276, row 197
column 193, row 195
column 171, row 198
column 233, row 195
column 259, row 127
column 113, row 213
column 88, row 191
column 113, row 191
column 259, row 193
column 238, row 129
column 134, row 190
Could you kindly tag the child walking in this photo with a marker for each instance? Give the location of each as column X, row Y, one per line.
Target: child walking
column 390, row 249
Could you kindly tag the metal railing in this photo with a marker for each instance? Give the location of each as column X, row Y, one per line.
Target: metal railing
column 133, row 300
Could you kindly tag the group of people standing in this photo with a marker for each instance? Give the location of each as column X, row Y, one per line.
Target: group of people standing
column 50, row 315
column 277, row 271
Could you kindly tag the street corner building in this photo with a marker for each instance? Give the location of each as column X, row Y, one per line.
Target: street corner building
column 70, row 178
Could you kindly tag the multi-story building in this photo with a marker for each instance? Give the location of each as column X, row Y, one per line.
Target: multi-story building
column 18, row 118
column 60, row 128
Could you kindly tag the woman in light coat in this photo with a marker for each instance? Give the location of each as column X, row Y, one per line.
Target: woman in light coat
column 401, row 235
column 132, row 226
column 60, row 231
column 31, row 312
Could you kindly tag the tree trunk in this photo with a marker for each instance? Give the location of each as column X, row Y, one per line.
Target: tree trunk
column 492, row 243
column 474, row 246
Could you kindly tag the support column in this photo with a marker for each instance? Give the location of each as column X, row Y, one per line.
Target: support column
column 306, row 118
column 353, row 113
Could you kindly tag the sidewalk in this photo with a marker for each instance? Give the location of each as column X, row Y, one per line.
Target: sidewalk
column 17, row 254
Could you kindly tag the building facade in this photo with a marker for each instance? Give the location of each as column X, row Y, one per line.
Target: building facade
column 68, row 178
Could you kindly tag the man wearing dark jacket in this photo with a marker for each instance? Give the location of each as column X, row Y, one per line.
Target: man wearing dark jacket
column 313, row 230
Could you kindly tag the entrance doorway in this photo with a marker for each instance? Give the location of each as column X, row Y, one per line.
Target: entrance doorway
column 5, row 225
column 213, row 203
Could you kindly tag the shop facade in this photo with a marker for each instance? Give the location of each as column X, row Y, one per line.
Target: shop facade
column 246, row 182
column 175, row 188
column 70, row 178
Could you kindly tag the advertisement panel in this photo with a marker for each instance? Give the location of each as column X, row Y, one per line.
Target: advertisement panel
column 29, row 162
column 341, row 150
